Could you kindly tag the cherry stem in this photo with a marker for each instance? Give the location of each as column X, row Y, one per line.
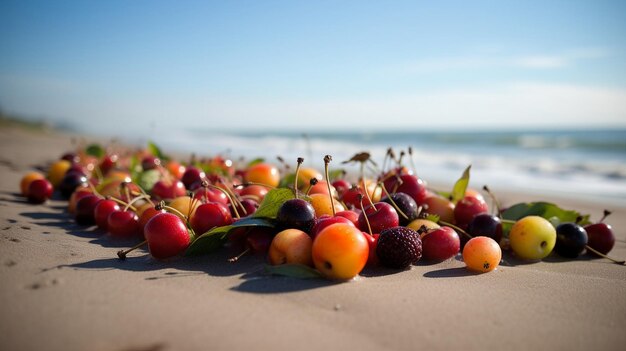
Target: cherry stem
column 243, row 185
column 395, row 205
column 123, row 203
column 173, row 210
column 400, row 159
column 122, row 253
column 493, row 198
column 369, row 227
column 327, row 160
column 295, row 181
column 606, row 214
column 312, row 183
column 367, row 194
column 130, row 203
column 236, row 258
column 458, row 229
column 411, row 161
column 603, row 255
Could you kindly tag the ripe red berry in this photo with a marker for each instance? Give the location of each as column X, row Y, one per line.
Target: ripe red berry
column 167, row 235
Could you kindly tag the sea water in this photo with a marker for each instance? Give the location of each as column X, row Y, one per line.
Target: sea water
column 587, row 164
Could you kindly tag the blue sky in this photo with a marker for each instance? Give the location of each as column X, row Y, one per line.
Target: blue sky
column 315, row 64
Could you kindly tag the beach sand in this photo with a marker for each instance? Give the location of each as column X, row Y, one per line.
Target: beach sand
column 63, row 288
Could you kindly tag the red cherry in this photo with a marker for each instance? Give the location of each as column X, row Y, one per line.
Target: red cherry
column 211, row 195
column 381, row 216
column 352, row 198
column 341, row 185
column 600, row 237
column 408, row 184
column 123, row 224
column 192, row 175
column 372, row 242
column 167, row 235
column 146, row 215
column 39, row 191
column 352, row 215
column 440, row 244
column 85, row 210
column 102, row 211
column 467, row 208
column 168, row 190
column 208, row 216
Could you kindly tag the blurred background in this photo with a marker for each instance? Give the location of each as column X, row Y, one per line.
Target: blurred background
column 532, row 93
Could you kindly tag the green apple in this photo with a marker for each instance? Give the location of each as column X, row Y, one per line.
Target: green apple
column 532, row 238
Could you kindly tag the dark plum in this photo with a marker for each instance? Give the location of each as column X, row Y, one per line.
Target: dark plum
column 484, row 224
column 571, row 240
column 296, row 213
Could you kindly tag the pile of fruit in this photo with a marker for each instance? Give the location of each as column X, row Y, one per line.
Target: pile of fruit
column 307, row 223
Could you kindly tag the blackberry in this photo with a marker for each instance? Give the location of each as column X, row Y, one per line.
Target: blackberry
column 398, row 247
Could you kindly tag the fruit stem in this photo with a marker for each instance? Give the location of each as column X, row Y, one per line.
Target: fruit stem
column 603, row 255
column 493, row 198
column 606, row 214
column 123, row 203
column 130, row 203
column 233, row 199
column 245, row 184
column 507, row 221
column 171, row 209
column 236, row 258
column 122, row 253
column 327, row 160
column 393, row 202
column 369, row 227
column 458, row 229
column 295, row 181
column 312, row 183
column 411, row 161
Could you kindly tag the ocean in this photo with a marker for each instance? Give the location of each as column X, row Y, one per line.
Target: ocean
column 588, row 164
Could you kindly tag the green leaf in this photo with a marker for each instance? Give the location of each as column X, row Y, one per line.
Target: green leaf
column 549, row 211
column 156, row 151
column 272, row 202
column 287, row 180
column 95, row 150
column 433, row 217
column 299, row 271
column 216, row 237
column 458, row 191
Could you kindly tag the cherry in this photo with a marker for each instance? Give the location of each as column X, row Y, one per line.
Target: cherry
column 107, row 163
column 167, row 235
column 210, row 215
column 70, row 156
column 404, row 203
column 192, row 175
column 440, row 244
column 39, row 190
column 467, row 208
column 168, row 190
column 102, row 211
column 381, row 216
column 257, row 240
column 352, row 195
column 254, row 191
column 351, row 215
column 249, row 206
column 440, row 206
column 484, row 224
column 207, row 194
column 150, row 162
column 71, row 181
column 571, row 240
column 123, row 224
column 85, row 214
column 341, row 186
column 601, row 236
column 372, row 242
column 296, row 213
column 408, row 184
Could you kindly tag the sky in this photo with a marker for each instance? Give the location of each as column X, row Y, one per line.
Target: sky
column 102, row 66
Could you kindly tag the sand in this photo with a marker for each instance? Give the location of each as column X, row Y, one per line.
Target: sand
column 62, row 288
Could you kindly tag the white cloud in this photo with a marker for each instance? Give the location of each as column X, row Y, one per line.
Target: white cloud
column 499, row 60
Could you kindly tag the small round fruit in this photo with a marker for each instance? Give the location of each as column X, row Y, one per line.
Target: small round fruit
column 601, row 238
column 417, row 224
column 27, row 179
column 482, row 254
column 398, row 247
column 322, row 206
column 291, row 246
column 532, row 238
column 57, row 171
column 340, row 251
column 296, row 213
column 39, row 190
column 571, row 240
column 167, row 235
column 440, row 244
column 263, row 173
